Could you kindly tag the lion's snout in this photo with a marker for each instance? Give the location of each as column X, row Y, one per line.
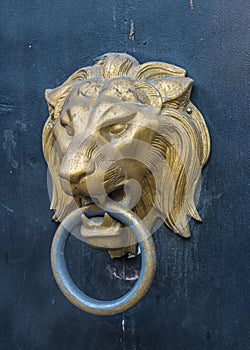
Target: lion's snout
column 73, row 176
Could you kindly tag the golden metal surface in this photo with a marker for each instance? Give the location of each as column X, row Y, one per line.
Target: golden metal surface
column 128, row 132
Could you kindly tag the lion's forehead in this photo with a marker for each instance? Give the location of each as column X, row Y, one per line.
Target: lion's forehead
column 111, row 87
column 123, row 89
column 106, row 109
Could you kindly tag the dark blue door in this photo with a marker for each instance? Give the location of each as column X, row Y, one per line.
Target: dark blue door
column 200, row 296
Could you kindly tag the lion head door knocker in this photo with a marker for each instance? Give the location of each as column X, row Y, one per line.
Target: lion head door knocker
column 125, row 148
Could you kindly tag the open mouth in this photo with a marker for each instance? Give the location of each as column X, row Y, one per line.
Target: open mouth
column 105, row 232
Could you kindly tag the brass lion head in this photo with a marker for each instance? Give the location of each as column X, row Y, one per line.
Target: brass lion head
column 125, row 132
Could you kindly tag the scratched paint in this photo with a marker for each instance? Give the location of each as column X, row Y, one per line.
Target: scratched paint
column 9, row 146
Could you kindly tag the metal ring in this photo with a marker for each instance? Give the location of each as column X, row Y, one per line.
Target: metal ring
column 79, row 298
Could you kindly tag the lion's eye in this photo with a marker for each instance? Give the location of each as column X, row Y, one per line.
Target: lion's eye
column 117, row 128
column 69, row 130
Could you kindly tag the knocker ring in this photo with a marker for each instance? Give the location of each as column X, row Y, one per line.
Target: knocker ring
column 79, row 298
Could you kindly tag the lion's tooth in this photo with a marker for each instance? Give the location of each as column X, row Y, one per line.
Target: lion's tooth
column 101, row 198
column 85, row 201
column 87, row 222
column 107, row 220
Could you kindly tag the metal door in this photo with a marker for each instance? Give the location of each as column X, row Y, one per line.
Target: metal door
column 200, row 296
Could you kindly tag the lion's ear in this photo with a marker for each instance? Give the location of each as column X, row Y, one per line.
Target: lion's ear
column 175, row 91
column 52, row 96
column 154, row 70
column 55, row 99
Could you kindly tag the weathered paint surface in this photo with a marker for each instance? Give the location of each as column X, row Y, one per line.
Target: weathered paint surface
column 200, row 297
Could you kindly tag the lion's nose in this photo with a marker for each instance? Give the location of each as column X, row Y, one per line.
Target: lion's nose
column 75, row 175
